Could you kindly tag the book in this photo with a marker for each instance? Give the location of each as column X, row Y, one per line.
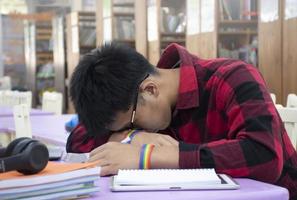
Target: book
column 171, row 179
column 57, row 180
column 226, row 10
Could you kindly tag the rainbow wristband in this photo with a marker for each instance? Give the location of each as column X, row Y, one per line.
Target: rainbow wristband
column 145, row 156
column 129, row 137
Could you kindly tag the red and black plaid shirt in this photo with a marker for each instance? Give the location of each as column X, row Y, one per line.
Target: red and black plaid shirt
column 224, row 119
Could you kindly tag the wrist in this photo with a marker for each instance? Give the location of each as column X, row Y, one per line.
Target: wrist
column 165, row 157
column 145, row 156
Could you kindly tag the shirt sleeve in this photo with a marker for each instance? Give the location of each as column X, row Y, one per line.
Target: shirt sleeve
column 79, row 141
column 252, row 147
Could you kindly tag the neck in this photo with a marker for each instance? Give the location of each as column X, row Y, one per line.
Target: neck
column 169, row 83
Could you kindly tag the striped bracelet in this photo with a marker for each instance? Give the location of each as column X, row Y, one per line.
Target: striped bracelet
column 145, row 156
column 129, row 137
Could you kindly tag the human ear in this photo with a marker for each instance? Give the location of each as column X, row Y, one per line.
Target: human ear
column 149, row 88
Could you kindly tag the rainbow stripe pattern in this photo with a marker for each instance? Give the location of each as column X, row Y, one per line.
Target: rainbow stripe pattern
column 145, row 156
column 130, row 136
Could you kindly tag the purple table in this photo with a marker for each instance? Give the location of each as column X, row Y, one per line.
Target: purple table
column 51, row 129
column 47, row 128
column 8, row 112
column 249, row 190
column 5, row 122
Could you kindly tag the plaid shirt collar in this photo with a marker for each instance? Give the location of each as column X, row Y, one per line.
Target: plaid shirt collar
column 188, row 89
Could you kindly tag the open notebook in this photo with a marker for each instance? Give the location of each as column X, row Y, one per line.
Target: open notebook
column 171, row 179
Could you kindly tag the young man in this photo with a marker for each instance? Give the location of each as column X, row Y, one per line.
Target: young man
column 198, row 113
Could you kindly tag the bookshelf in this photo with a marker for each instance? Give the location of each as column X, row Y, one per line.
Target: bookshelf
column 81, row 38
column 44, row 57
column 166, row 23
column 223, row 28
column 122, row 21
column 12, row 56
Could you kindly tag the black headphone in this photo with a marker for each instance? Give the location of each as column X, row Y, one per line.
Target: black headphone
column 25, row 155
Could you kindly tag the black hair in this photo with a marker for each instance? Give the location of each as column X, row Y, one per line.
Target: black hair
column 104, row 83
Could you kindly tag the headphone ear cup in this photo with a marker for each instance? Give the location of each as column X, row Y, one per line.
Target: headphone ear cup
column 11, row 146
column 20, row 146
column 34, row 158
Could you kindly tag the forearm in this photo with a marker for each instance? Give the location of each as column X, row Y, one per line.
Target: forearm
column 165, row 157
column 238, row 158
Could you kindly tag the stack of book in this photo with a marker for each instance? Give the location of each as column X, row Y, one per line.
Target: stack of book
column 56, row 181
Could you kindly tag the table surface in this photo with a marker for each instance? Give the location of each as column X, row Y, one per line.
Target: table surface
column 47, row 128
column 249, row 190
column 50, row 128
column 8, row 112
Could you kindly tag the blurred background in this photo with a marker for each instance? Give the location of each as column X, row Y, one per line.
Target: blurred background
column 41, row 41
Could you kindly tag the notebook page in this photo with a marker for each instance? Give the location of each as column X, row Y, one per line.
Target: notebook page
column 167, row 176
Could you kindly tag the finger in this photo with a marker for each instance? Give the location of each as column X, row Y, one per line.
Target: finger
column 98, row 156
column 108, row 170
column 101, row 162
column 103, row 147
column 97, row 150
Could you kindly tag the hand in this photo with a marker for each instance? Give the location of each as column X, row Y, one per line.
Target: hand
column 113, row 156
column 153, row 138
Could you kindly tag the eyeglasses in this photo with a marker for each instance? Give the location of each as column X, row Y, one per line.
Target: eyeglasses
column 135, row 101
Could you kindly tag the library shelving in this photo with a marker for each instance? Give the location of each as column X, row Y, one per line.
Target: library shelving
column 44, row 56
column 12, row 56
column 122, row 21
column 81, row 38
column 166, row 23
column 223, row 28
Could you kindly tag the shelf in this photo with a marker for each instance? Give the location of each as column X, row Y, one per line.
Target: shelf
column 173, row 35
column 39, row 63
column 43, row 56
column 238, row 33
column 43, row 32
column 43, row 37
column 123, row 14
column 176, row 40
column 44, row 52
column 87, row 26
column 86, row 14
column 123, row 4
column 87, row 46
column 124, row 40
column 239, row 22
